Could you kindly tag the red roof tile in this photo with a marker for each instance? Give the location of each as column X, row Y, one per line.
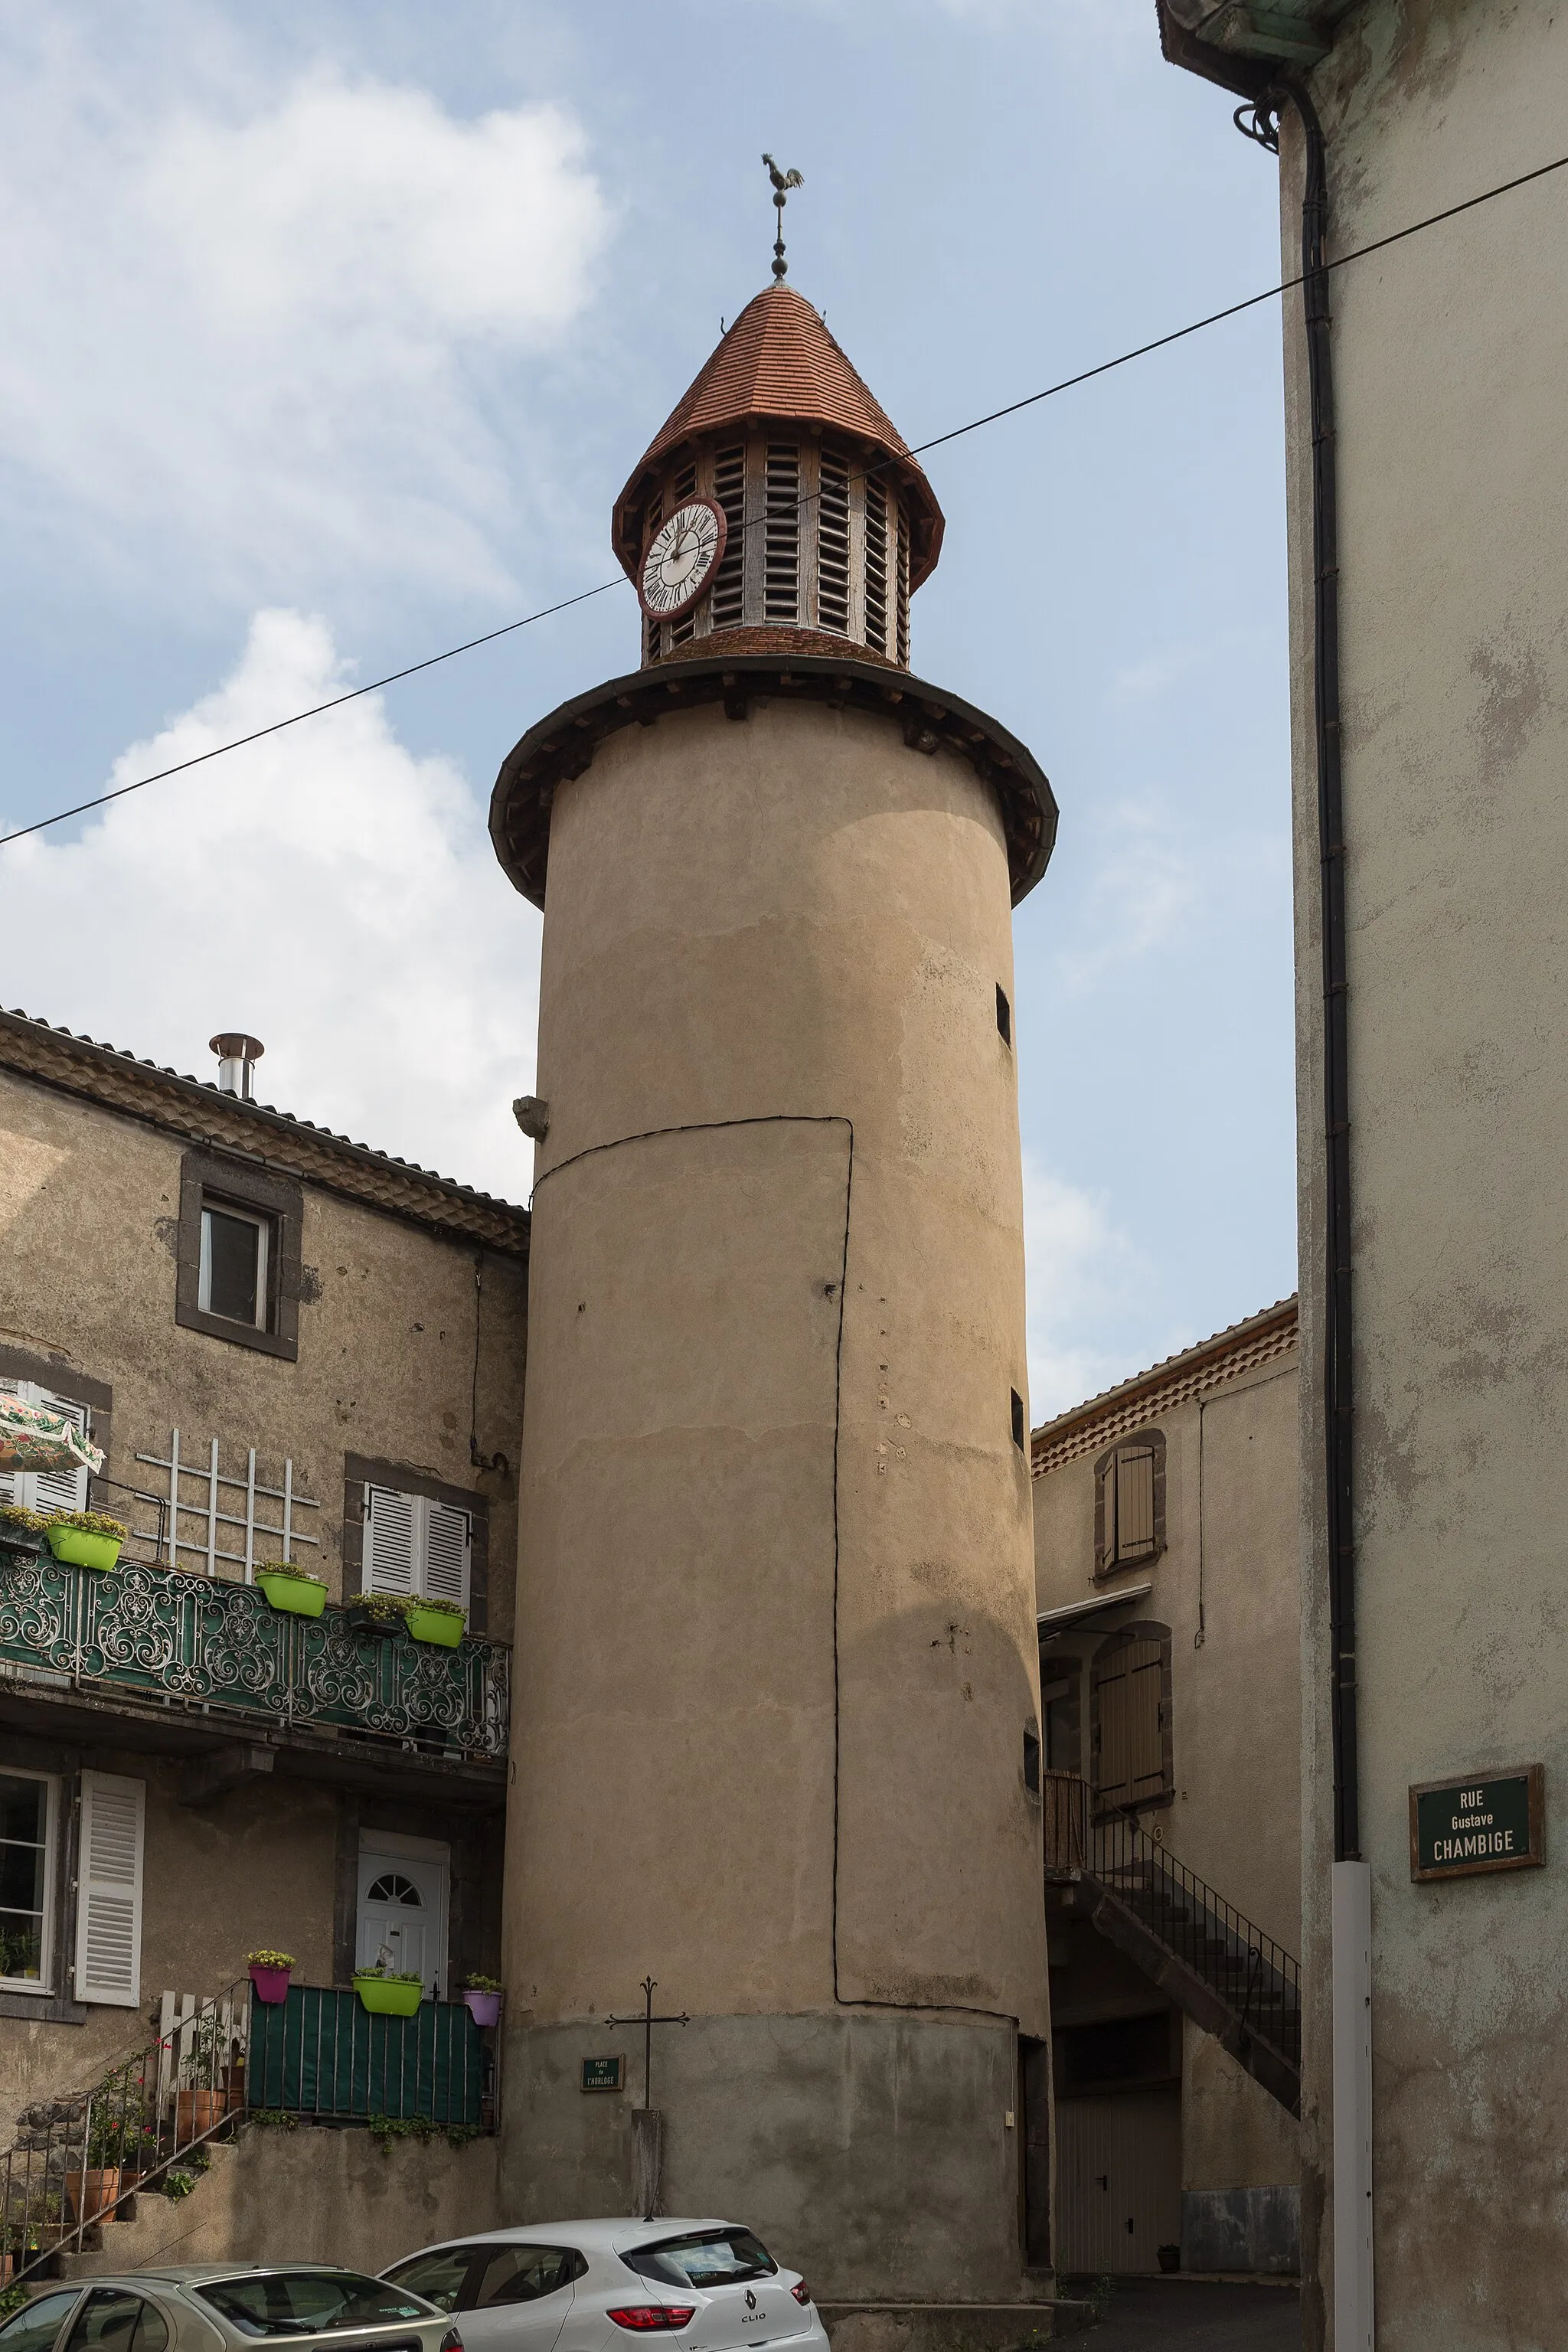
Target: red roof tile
column 778, row 360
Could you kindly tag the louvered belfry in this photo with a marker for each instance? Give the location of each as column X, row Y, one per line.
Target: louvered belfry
column 832, row 525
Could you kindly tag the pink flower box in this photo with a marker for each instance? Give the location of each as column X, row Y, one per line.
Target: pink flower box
column 484, row 2007
column 271, row 1984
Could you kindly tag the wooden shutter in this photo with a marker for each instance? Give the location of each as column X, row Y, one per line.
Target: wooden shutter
column 62, row 1490
column 1129, row 1722
column 388, row 1540
column 447, row 1544
column 45, row 1490
column 1134, row 1503
column 1107, row 1501
column 109, row 1890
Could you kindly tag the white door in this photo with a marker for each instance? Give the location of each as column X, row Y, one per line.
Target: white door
column 403, row 1889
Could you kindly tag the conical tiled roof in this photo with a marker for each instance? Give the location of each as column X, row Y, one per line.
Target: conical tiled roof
column 778, row 361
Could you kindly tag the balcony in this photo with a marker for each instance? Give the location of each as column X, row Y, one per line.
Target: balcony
column 201, row 1654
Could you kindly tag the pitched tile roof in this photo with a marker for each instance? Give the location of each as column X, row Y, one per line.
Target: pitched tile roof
column 200, row 1111
column 778, row 361
column 1241, row 1347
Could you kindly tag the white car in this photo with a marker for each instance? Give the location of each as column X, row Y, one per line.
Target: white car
column 585, row 2286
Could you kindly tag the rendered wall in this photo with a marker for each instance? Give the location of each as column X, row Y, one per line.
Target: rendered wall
column 762, row 935
column 1449, row 354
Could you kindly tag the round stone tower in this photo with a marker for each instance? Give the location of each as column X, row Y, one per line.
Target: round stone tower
column 776, row 1709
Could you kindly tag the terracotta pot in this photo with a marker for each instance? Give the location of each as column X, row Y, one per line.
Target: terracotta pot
column 99, row 2188
column 196, row 2111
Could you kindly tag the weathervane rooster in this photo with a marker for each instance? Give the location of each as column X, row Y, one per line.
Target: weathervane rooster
column 782, row 183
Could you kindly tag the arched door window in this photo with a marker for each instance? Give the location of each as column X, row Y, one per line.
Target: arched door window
column 1129, row 1696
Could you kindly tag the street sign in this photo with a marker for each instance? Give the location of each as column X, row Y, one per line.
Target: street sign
column 1493, row 1820
column 604, row 2073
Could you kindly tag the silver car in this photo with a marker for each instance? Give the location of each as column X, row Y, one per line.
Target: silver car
column 230, row 2308
column 586, row 2286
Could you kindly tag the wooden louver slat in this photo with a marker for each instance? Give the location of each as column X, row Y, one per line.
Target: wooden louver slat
column 781, row 580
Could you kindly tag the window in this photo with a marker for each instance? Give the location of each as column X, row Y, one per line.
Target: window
column 875, row 565
column 439, row 2277
column 708, row 2259
column 235, row 1265
column 45, row 1490
column 1130, row 1698
column 1018, row 1431
column 1130, row 1504
column 305, row 2302
column 238, row 1254
column 416, row 1545
column 833, row 544
column 29, row 1810
column 527, row 2274
column 730, row 493
column 34, row 2328
column 1003, row 1015
column 112, row 2321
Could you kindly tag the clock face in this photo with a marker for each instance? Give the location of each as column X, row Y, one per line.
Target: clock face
column 681, row 559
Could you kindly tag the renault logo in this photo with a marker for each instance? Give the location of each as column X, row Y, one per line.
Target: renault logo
column 751, row 2300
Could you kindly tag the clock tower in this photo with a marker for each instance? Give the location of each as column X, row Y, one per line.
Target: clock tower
column 777, row 1710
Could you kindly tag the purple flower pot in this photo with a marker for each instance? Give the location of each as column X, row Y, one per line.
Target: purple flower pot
column 484, row 2007
column 271, row 1984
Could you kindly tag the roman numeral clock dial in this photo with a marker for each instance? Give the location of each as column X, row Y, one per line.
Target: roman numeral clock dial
column 681, row 559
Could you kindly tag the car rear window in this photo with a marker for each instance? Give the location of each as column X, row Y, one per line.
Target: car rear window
column 309, row 2303
column 707, row 2258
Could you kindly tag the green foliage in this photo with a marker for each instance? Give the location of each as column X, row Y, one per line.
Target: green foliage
column 476, row 1983
column 269, row 1959
column 275, row 2118
column 384, row 2129
column 12, row 2299
column 438, row 1608
column 390, row 1976
column 176, row 2183
column 384, row 1604
column 15, row 1521
column 20, row 1951
column 290, row 1568
column 90, row 1523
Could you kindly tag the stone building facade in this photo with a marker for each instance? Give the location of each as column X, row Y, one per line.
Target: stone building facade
column 1170, row 1643
column 267, row 1329
column 1429, row 682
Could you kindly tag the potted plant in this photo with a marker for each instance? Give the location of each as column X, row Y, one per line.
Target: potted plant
column 482, row 1995
column 390, row 1992
column 23, row 1530
column 269, row 1973
column 384, row 1614
column 93, row 2190
column 439, row 1623
column 298, row 1592
column 85, row 1538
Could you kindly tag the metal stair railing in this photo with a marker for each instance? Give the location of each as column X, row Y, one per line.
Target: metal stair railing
column 1256, row 1976
column 78, row 2160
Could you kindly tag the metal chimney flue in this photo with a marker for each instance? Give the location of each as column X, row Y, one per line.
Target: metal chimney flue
column 237, row 1055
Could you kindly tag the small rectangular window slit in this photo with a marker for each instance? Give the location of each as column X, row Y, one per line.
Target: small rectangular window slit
column 1003, row 1015
column 1017, row 1420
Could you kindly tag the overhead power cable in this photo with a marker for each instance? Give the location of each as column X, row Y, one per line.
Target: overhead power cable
column 937, row 441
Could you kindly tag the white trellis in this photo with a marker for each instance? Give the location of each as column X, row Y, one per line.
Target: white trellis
column 214, row 1483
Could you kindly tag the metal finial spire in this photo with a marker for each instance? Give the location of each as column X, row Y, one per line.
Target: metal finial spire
column 782, row 183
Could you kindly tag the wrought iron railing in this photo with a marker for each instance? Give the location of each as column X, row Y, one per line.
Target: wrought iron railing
column 320, row 2053
column 177, row 1639
column 1257, row 1979
column 77, row 2160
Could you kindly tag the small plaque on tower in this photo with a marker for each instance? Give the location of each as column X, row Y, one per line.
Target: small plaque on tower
column 604, row 2073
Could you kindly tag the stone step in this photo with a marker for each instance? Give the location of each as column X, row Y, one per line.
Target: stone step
column 156, row 2226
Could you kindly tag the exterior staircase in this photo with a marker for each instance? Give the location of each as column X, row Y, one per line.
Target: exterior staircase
column 1220, row 1970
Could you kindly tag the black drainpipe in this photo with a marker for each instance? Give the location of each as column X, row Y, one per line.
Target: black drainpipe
column 1259, row 121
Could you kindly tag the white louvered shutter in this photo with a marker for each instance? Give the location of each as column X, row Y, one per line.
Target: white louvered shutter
column 388, row 1540
column 45, row 1490
column 448, row 1547
column 60, row 1490
column 109, row 1890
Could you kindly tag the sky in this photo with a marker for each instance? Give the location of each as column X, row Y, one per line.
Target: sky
column 331, row 334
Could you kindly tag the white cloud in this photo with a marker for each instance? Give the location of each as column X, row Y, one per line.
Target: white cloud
column 269, row 336
column 324, row 889
column 1081, row 1271
column 1141, row 892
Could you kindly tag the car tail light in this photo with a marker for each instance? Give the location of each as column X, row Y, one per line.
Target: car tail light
column 801, row 2291
column 453, row 2340
column 643, row 2318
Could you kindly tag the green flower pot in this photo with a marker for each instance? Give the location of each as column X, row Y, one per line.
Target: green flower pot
column 295, row 1595
column 438, row 1626
column 83, row 1550
column 383, row 1997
